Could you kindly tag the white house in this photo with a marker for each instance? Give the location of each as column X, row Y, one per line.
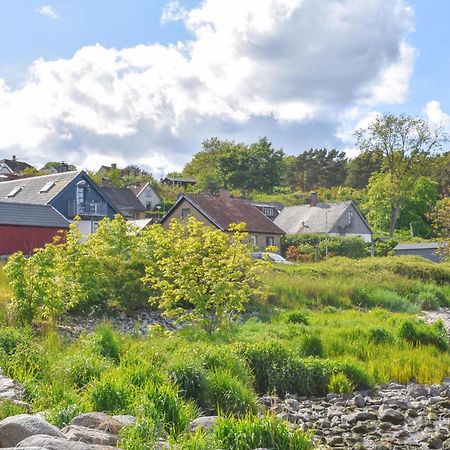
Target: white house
column 146, row 195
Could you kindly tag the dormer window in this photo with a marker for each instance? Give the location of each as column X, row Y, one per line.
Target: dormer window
column 15, row 191
column 47, row 187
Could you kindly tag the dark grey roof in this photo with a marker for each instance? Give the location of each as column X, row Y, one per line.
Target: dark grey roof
column 419, row 245
column 323, row 218
column 16, row 166
column 31, row 187
column 124, row 199
column 24, row 214
column 180, row 180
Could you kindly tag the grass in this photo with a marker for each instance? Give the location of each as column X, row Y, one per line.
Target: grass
column 5, row 295
column 323, row 330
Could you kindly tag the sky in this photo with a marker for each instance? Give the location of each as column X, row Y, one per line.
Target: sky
column 144, row 82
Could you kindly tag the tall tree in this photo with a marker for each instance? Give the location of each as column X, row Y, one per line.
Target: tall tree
column 405, row 143
column 317, row 168
column 361, row 168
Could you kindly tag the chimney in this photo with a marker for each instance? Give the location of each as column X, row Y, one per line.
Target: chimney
column 313, row 200
column 14, row 158
column 114, row 166
column 224, row 196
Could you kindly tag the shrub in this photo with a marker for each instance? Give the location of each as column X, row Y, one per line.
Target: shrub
column 11, row 338
column 379, row 335
column 340, row 384
column 167, row 409
column 110, row 394
column 81, row 369
column 430, row 300
column 228, row 395
column 61, row 415
column 107, row 342
column 139, row 436
column 299, row 317
column 259, row 432
column 191, row 380
column 9, row 408
column 419, row 333
column 312, row 345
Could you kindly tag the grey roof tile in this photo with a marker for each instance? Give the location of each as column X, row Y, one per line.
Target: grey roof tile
column 24, row 214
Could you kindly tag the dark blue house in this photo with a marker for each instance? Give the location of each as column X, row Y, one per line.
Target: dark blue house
column 73, row 194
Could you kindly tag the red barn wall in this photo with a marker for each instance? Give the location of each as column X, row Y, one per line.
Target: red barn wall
column 20, row 238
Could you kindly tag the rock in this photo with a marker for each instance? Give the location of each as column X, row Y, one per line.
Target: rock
column 336, row 441
column 15, row 429
column 417, row 390
column 435, row 442
column 57, row 443
column 359, row 401
column 98, row 421
column 89, row 435
column 125, row 419
column 202, row 423
column 390, row 415
column 359, row 416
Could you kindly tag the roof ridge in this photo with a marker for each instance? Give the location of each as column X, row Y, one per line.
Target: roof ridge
column 42, row 176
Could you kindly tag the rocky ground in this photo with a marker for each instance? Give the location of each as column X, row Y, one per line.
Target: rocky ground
column 442, row 314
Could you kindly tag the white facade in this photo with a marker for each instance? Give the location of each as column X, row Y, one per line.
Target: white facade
column 148, row 197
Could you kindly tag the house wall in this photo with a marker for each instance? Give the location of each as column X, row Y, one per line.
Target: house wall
column 177, row 214
column 149, row 195
column 15, row 238
column 357, row 228
column 61, row 201
column 427, row 253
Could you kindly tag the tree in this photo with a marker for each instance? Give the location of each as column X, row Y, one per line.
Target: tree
column 441, row 221
column 317, row 168
column 405, row 143
column 201, row 274
column 361, row 168
column 440, row 172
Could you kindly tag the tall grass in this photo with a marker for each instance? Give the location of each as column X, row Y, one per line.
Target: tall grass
column 5, row 295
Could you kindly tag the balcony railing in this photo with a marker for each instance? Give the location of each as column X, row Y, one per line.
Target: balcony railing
column 87, row 209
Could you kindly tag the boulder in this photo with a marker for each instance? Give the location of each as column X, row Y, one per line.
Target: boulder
column 417, row 390
column 89, row 435
column 202, row 423
column 125, row 419
column 359, row 416
column 390, row 415
column 15, row 429
column 57, row 443
column 98, row 421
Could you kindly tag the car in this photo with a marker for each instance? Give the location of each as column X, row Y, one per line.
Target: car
column 272, row 257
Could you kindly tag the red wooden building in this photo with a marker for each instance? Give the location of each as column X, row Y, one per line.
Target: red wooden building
column 24, row 227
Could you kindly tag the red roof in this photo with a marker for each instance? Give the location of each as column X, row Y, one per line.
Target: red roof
column 225, row 212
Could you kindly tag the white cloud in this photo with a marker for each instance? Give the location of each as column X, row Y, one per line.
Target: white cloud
column 48, row 11
column 436, row 116
column 282, row 68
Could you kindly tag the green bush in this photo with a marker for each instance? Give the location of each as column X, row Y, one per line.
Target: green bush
column 340, row 384
column 11, row 338
column 298, row 317
column 61, row 415
column 110, row 394
column 9, row 408
column 106, row 342
column 139, row 436
column 419, row 333
column 81, row 369
column 379, row 335
column 259, row 432
column 191, row 381
column 312, row 345
column 228, row 395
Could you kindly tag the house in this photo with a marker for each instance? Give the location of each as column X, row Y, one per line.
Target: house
column 221, row 211
column 72, row 194
column 60, row 168
column 13, row 166
column 269, row 209
column 24, row 227
column 179, row 182
column 338, row 219
column 141, row 224
column 428, row 250
column 146, row 195
column 125, row 200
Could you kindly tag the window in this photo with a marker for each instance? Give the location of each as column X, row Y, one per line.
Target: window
column 81, row 194
column 269, row 212
column 270, row 240
column 15, row 191
column 47, row 187
column 185, row 212
column 351, row 218
column 253, row 239
column 148, row 206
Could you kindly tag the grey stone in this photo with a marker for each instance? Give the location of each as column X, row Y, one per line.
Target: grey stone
column 89, row 435
column 390, row 415
column 125, row 419
column 15, row 429
column 98, row 421
column 202, row 423
column 56, row 443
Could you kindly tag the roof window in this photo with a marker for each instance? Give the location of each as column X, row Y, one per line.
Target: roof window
column 15, row 191
column 47, row 187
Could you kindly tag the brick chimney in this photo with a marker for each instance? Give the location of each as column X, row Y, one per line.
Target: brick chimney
column 313, row 199
column 14, row 158
column 224, row 196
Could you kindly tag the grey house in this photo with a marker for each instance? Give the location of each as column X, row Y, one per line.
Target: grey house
column 428, row 250
column 72, row 194
column 339, row 219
